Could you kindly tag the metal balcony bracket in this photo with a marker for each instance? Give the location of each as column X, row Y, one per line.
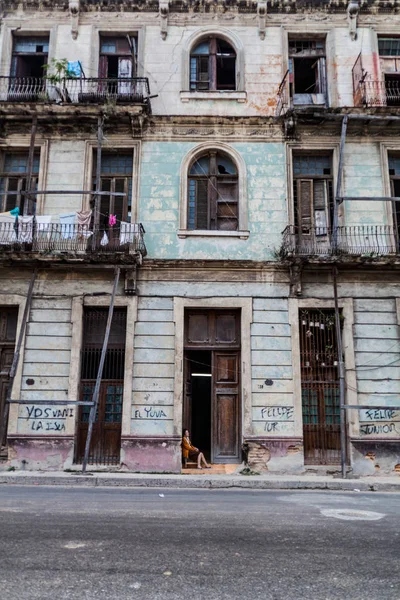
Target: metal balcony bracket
column 164, row 12
column 295, row 280
column 137, row 123
column 130, row 287
column 262, row 16
column 353, row 9
column 74, row 10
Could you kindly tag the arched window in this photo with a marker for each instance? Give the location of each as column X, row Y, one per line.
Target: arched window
column 212, row 66
column 213, row 193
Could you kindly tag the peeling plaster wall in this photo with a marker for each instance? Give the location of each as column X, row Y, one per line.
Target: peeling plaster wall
column 160, row 203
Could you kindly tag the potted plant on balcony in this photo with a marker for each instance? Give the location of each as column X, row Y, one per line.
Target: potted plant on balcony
column 56, row 73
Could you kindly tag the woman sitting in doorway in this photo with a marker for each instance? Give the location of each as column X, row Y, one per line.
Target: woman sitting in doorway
column 190, row 451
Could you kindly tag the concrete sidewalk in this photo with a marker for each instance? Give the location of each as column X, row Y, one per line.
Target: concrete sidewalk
column 255, row 482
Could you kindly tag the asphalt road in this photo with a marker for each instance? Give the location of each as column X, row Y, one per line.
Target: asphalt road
column 117, row 544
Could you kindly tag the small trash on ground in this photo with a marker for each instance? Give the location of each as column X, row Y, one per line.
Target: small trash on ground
column 161, row 495
column 356, row 490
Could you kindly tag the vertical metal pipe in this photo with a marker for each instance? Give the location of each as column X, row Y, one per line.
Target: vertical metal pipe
column 95, row 399
column 98, row 172
column 15, row 361
column 28, row 198
column 339, row 182
column 341, row 377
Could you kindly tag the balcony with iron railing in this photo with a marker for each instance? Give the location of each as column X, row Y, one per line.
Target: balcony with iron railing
column 350, row 240
column 371, row 93
column 56, row 241
column 80, row 90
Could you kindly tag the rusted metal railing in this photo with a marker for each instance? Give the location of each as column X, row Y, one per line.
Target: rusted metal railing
column 345, row 240
column 371, row 93
column 58, row 238
column 93, row 90
column 283, row 96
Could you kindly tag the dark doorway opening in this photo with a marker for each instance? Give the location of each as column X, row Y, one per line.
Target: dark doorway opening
column 211, row 399
column 199, row 375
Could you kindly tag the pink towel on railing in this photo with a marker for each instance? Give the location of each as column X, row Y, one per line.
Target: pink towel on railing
column 112, row 220
column 25, row 229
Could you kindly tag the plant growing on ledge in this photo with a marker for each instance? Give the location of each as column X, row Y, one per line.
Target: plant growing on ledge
column 56, row 72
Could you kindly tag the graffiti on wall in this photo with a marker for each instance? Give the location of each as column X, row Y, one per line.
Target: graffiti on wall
column 380, row 421
column 45, row 419
column 276, row 419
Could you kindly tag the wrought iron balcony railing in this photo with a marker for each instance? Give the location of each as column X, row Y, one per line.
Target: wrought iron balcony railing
column 355, row 240
column 56, row 238
column 370, row 93
column 135, row 90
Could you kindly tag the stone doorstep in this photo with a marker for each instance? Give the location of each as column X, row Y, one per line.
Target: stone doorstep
column 218, row 469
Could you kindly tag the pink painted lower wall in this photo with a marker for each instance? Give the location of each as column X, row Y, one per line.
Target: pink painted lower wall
column 40, row 454
column 152, row 455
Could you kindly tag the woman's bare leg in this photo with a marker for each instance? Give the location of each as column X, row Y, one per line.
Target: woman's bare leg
column 204, row 460
column 199, row 460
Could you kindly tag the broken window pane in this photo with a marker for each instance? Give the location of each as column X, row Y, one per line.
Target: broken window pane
column 213, row 66
column 307, row 72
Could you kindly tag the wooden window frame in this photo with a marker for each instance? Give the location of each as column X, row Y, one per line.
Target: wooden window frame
column 113, row 178
column 20, row 177
column 213, row 178
column 212, row 57
column 321, row 75
column 103, row 56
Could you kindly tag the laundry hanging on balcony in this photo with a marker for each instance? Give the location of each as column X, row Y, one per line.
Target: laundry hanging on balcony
column 25, row 230
column 7, row 228
column 67, row 225
column 84, row 219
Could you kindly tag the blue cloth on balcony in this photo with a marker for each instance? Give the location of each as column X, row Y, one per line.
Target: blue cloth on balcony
column 67, row 222
column 74, row 68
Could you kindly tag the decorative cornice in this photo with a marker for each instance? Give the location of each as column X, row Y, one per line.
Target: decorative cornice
column 208, row 6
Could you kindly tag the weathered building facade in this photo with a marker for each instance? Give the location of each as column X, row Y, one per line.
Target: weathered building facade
column 235, row 198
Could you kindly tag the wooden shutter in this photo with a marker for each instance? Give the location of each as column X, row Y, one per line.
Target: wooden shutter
column 133, row 46
column 305, row 205
column 202, row 205
column 103, row 67
column 321, row 77
column 202, row 73
column 227, row 205
column 321, row 213
column 212, row 64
